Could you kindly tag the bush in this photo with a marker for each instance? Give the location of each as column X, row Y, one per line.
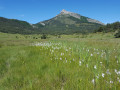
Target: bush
column 117, row 35
column 43, row 36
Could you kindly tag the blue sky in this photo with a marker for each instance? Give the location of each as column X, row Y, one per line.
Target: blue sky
column 33, row 11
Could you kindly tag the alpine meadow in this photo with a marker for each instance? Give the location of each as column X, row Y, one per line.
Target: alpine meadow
column 67, row 52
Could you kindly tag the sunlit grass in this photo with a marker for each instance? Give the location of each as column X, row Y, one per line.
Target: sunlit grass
column 61, row 64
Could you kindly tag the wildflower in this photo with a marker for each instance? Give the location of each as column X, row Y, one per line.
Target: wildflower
column 86, row 65
column 100, row 62
column 66, row 50
column 88, row 50
column 98, row 53
column 108, row 72
column 117, row 61
column 73, row 59
column 93, row 81
column 60, row 58
column 111, row 81
column 66, row 61
column 103, row 74
column 95, row 67
column 80, row 63
column 91, row 54
column 115, row 70
column 118, row 72
column 117, row 78
column 97, row 76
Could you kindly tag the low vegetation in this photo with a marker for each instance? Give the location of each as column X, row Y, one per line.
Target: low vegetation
column 114, row 27
column 71, row 62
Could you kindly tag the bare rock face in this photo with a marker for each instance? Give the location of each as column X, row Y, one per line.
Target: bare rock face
column 63, row 12
column 94, row 21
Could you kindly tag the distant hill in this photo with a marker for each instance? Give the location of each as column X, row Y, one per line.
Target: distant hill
column 68, row 22
column 16, row 26
column 113, row 27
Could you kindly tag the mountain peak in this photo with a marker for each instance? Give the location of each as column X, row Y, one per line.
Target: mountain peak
column 65, row 12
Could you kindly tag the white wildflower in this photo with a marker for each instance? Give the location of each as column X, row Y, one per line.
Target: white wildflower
column 95, row 67
column 118, row 72
column 103, row 74
column 80, row 63
column 60, row 58
column 97, row 76
column 100, row 62
column 88, row 50
column 98, row 53
column 117, row 61
column 111, row 81
column 66, row 61
column 93, row 81
column 87, row 65
column 108, row 72
column 73, row 59
column 115, row 71
column 66, row 50
column 91, row 54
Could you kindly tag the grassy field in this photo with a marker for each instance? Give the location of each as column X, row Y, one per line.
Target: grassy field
column 72, row 62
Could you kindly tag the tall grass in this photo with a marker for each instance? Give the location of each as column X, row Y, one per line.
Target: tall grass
column 61, row 64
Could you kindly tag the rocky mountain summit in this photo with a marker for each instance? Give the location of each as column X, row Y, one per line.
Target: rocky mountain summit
column 69, row 22
column 64, row 12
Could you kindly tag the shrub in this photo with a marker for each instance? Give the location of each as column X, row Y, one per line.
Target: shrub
column 117, row 35
column 43, row 36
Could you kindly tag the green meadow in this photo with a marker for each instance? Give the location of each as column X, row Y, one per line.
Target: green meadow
column 66, row 62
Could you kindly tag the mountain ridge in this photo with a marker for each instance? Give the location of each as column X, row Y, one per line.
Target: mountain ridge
column 65, row 12
column 64, row 23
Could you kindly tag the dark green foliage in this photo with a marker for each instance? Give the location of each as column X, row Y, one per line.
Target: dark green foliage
column 113, row 27
column 43, row 36
column 16, row 26
column 117, row 35
column 110, row 27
